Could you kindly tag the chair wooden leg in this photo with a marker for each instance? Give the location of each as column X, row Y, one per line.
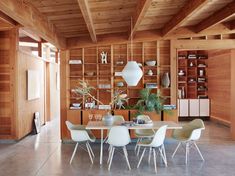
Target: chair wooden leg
column 162, row 156
column 110, row 152
column 150, row 152
column 137, row 144
column 198, row 150
column 89, row 152
column 111, row 159
column 90, row 149
column 74, row 151
column 176, row 150
column 164, row 153
column 126, row 156
column 138, row 151
column 141, row 158
column 186, row 153
column 154, row 159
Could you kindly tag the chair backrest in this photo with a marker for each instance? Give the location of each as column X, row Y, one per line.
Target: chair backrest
column 191, row 130
column 142, row 117
column 118, row 118
column 159, row 136
column 119, row 136
column 78, row 132
column 197, row 126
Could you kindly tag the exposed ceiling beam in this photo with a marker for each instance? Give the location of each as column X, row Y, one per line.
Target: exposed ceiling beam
column 84, row 7
column 148, row 35
column 230, row 24
column 140, row 11
column 30, row 34
column 7, row 19
column 189, row 8
column 216, row 17
column 30, row 17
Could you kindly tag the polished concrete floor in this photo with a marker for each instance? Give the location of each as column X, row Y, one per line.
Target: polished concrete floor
column 44, row 155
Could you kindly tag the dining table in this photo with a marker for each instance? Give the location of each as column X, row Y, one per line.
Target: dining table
column 100, row 125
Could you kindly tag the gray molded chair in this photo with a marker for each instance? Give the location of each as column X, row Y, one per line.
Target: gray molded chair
column 80, row 135
column 188, row 136
column 143, row 133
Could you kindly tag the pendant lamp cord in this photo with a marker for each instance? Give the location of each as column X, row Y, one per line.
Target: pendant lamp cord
column 131, row 40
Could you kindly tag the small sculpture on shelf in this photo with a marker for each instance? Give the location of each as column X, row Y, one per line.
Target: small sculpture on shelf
column 150, row 72
column 104, row 56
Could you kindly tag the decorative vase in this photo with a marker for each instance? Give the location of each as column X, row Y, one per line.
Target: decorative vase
column 183, row 92
column 108, row 119
column 165, row 80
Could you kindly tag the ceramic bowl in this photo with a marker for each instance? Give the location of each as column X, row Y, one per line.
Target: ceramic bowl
column 151, row 63
column 76, row 104
column 181, row 73
column 120, row 84
column 90, row 73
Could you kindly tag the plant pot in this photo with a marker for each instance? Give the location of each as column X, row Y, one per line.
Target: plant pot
column 108, row 119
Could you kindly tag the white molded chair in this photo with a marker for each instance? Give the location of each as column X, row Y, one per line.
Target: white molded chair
column 156, row 143
column 118, row 137
column 188, row 135
column 80, row 135
column 116, row 118
column 143, row 133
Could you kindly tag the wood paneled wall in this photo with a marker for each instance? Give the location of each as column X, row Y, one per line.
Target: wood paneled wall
column 232, row 110
column 7, row 86
column 27, row 108
column 219, row 84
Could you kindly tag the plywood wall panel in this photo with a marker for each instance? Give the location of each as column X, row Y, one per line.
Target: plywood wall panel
column 26, row 109
column 6, row 92
column 219, row 83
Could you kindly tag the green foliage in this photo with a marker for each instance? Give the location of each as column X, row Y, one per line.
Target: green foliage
column 149, row 102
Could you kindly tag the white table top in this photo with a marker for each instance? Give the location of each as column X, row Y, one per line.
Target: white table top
column 99, row 125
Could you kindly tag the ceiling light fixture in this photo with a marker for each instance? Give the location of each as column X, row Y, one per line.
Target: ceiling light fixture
column 132, row 73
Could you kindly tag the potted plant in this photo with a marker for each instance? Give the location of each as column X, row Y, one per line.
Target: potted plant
column 118, row 99
column 151, row 104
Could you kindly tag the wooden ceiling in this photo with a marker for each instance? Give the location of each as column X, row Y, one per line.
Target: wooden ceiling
column 94, row 18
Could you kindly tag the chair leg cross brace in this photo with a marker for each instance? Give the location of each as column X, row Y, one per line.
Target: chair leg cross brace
column 161, row 150
column 111, row 153
column 188, row 145
column 88, row 149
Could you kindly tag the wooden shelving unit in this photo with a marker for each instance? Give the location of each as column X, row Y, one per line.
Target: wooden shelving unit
column 105, row 78
column 193, row 67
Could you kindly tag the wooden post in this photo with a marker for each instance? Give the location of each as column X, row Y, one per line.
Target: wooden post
column 232, row 93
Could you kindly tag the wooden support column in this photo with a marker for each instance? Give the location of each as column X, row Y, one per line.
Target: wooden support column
column 232, row 93
column 64, row 87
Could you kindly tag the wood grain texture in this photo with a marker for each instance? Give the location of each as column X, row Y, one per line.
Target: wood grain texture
column 30, row 17
column 219, row 83
column 8, row 74
column 217, row 17
column 188, row 9
column 232, row 110
column 85, row 9
column 26, row 109
column 139, row 13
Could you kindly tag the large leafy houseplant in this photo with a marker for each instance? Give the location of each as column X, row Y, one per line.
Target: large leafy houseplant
column 149, row 102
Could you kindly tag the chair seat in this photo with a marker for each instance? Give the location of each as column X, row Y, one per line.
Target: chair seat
column 91, row 135
column 145, row 142
column 145, row 133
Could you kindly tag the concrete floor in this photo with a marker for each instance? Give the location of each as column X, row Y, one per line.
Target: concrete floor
column 43, row 154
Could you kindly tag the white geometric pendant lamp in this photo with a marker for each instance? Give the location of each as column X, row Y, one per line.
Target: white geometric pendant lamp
column 132, row 73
